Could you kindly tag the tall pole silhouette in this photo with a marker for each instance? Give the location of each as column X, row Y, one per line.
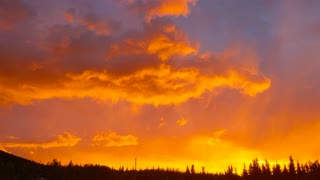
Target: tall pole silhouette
column 135, row 168
column 135, row 164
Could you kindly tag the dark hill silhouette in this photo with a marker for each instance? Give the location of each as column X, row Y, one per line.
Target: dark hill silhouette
column 10, row 158
column 16, row 168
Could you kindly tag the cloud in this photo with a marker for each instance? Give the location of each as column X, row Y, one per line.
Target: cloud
column 100, row 27
column 63, row 140
column 182, row 122
column 70, row 15
column 161, row 8
column 12, row 137
column 170, row 8
column 161, row 38
column 112, row 139
column 3, row 149
column 163, row 122
column 65, row 42
column 216, row 138
column 157, row 66
column 13, row 12
column 157, row 85
column 212, row 140
column 92, row 22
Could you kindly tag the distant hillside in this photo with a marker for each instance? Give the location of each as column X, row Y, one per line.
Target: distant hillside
column 7, row 158
column 14, row 167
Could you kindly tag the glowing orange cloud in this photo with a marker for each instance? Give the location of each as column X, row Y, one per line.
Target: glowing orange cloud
column 165, row 82
column 170, row 8
column 165, row 48
column 3, row 149
column 182, row 122
column 165, row 42
column 63, row 140
column 112, row 139
column 157, row 85
column 162, row 123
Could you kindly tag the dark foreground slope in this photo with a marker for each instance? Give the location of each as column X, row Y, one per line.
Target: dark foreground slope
column 14, row 167
column 17, row 168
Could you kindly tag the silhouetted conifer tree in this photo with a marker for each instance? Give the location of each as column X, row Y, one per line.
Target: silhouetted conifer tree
column 276, row 170
column 285, row 170
column 203, row 170
column 292, row 169
column 192, row 169
column 299, row 170
column 266, row 171
column 70, row 164
column 244, row 171
column 229, row 170
column 254, row 168
column 187, row 170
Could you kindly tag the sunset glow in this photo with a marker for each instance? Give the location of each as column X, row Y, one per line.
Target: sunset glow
column 169, row 82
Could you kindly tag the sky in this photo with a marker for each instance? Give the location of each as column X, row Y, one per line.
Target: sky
column 169, row 82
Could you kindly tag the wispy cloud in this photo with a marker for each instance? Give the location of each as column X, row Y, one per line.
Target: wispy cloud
column 92, row 22
column 162, row 122
column 160, row 38
column 70, row 15
column 182, row 122
column 3, row 149
column 63, row 140
column 160, row 8
column 215, row 139
column 99, row 26
column 113, row 139
column 170, row 8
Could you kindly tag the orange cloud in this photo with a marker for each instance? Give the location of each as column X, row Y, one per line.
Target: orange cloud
column 211, row 140
column 101, row 26
column 161, row 8
column 3, row 149
column 156, row 85
column 166, row 85
column 170, row 8
column 112, row 139
column 70, row 15
column 164, row 47
column 182, row 122
column 35, row 66
column 160, row 83
column 165, row 41
column 163, row 122
column 63, row 140
column 216, row 138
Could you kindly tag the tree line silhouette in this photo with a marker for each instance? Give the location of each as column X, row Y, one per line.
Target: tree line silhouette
column 16, row 168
